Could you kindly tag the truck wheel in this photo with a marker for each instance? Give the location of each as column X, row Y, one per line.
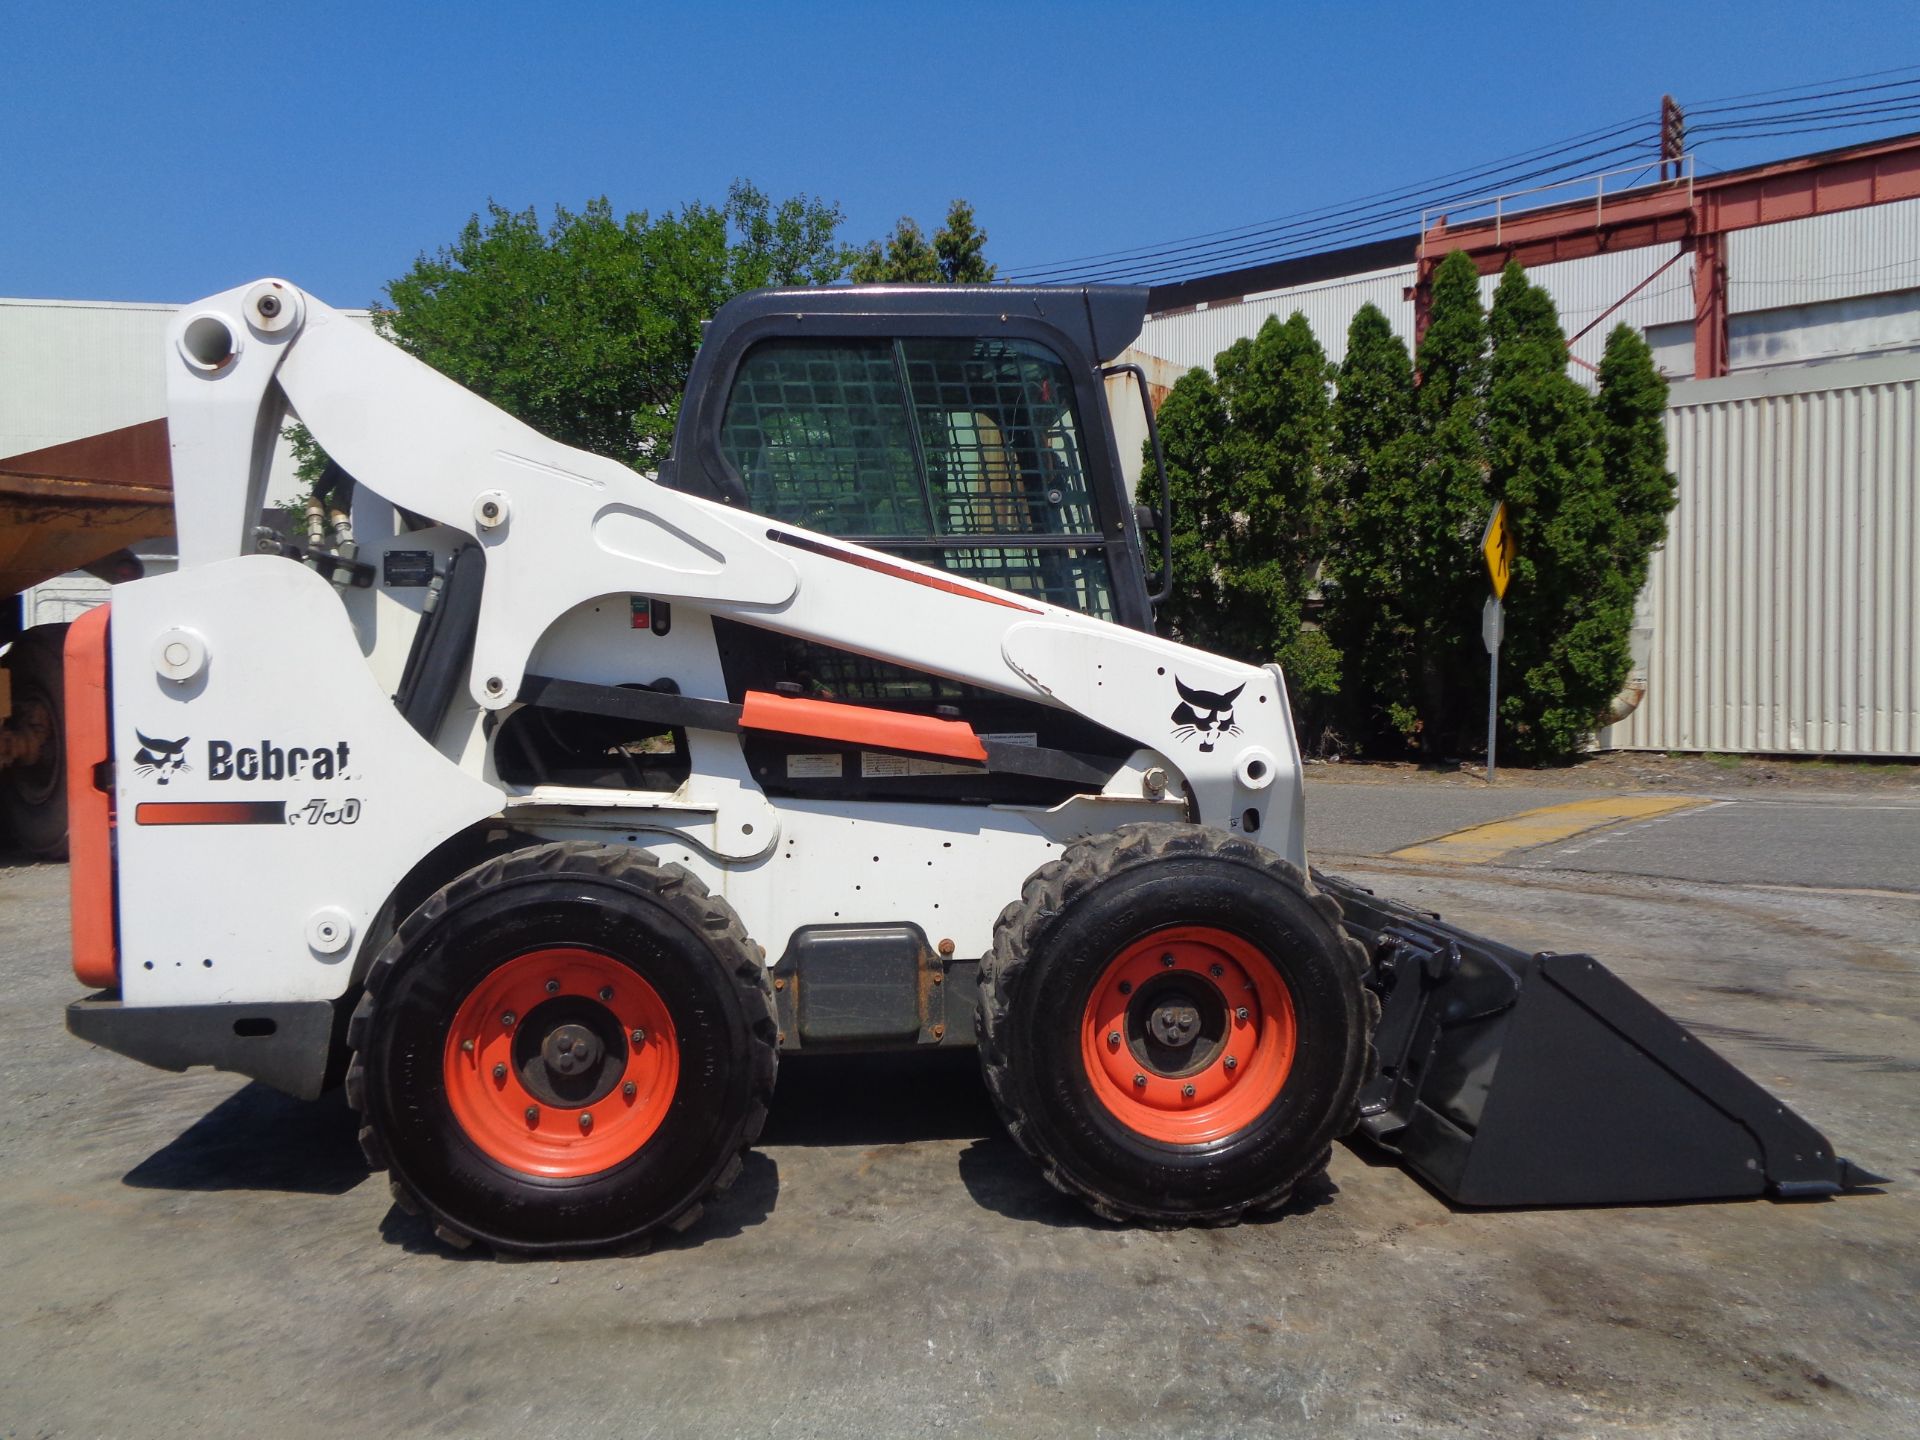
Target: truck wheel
column 33, row 797
column 567, row 1047
column 1172, row 1024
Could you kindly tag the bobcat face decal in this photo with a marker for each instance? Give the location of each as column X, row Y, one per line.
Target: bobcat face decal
column 162, row 759
column 1204, row 713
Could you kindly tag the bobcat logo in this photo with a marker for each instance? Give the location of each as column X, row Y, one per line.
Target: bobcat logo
column 162, row 759
column 1203, row 713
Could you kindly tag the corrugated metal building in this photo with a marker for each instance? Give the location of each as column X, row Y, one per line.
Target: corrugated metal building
column 72, row 368
column 1828, row 287
column 1781, row 616
column 1783, row 611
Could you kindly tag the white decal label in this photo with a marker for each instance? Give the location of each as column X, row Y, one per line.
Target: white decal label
column 813, row 767
column 881, row 767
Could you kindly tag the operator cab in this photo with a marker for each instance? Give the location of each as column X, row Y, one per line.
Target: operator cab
column 962, row 427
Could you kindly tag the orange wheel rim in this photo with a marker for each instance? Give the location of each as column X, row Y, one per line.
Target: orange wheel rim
column 1189, row 1035
column 562, row 1062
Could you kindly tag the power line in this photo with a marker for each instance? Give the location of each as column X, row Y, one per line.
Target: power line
column 1375, row 215
column 1801, row 99
column 1280, row 224
column 1832, row 112
column 1807, row 85
column 1368, row 222
column 1813, row 129
column 1328, row 224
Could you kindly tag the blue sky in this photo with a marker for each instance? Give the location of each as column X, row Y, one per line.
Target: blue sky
column 163, row 151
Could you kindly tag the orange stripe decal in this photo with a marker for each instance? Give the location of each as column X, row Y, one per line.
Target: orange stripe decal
column 901, row 572
column 861, row 725
column 211, row 812
column 96, row 957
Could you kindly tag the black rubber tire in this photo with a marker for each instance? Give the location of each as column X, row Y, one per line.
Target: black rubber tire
column 33, row 798
column 1051, row 946
column 657, row 920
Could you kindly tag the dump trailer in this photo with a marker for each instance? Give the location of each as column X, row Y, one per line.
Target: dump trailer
column 76, row 506
column 548, row 806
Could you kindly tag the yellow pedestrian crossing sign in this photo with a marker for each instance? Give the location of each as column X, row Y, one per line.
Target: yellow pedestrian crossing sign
column 1499, row 545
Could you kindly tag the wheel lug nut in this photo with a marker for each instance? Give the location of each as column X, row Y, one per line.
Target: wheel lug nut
column 1167, row 960
column 1113, row 1037
column 1231, row 1063
column 466, row 1047
column 628, row 1089
column 1139, row 1082
column 1187, row 1090
column 508, row 1019
column 533, row 1114
column 1216, row 971
column 639, row 1037
column 553, row 987
column 586, row 1120
column 1126, row 987
column 606, row 992
column 1241, row 1014
column 500, row 1070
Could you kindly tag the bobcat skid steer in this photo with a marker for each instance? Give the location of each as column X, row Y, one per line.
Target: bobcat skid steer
column 547, row 805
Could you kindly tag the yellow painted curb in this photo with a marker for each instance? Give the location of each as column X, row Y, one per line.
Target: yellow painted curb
column 1481, row 844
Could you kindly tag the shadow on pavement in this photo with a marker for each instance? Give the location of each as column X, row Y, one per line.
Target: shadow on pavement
column 879, row 1099
column 744, row 1204
column 259, row 1139
column 1002, row 1179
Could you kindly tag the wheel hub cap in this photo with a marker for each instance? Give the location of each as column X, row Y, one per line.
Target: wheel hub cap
column 571, row 1050
column 1174, row 1025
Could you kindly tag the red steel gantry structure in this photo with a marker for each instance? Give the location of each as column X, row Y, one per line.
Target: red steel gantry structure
column 1698, row 213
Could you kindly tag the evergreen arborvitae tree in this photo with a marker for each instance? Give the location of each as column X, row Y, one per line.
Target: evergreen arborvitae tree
column 1442, row 582
column 1570, row 603
column 956, row 256
column 1247, row 456
column 1366, row 612
column 960, row 246
column 1633, row 449
column 1193, row 427
column 1277, row 448
column 905, row 259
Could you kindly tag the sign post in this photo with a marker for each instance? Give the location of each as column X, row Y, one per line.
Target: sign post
column 1499, row 544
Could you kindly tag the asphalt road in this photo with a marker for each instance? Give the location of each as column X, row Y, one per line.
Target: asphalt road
column 1841, row 841
column 195, row 1255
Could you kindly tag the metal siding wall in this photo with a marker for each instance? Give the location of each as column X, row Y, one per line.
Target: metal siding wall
column 1826, row 257
column 1583, row 289
column 1195, row 337
column 68, row 370
column 71, row 368
column 1784, row 603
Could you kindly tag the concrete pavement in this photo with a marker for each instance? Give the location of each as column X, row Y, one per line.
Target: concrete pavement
column 197, row 1256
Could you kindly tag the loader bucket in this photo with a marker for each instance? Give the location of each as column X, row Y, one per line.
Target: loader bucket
column 1515, row 1079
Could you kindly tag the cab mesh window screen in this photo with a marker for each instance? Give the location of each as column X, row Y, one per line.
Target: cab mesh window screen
column 1003, row 449
column 971, row 441
column 821, row 436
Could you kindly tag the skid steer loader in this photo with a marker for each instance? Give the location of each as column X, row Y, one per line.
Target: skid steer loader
column 547, row 805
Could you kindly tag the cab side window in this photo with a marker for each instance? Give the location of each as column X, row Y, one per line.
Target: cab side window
column 965, row 454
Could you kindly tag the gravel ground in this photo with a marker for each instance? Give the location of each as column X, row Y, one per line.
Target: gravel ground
column 195, row 1255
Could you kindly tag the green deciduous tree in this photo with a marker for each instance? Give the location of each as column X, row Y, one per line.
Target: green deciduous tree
column 957, row 255
column 586, row 328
